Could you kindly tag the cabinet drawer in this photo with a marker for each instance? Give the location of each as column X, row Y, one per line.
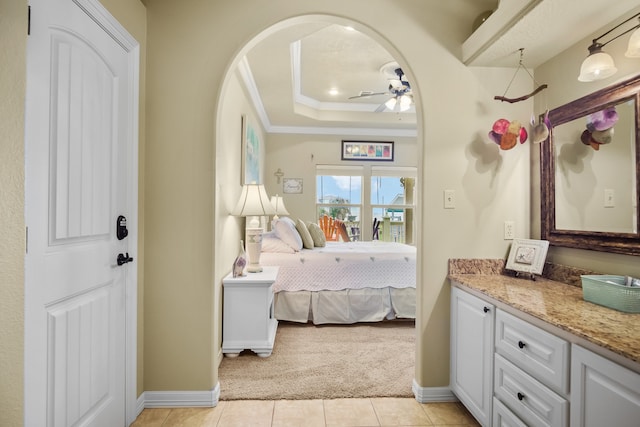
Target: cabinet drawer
column 537, row 352
column 503, row 417
column 530, row 400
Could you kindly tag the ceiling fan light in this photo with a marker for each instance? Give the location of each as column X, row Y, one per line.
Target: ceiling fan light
column 598, row 65
column 405, row 102
column 633, row 49
column 391, row 103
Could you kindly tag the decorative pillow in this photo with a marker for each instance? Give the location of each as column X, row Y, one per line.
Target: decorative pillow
column 317, row 235
column 285, row 230
column 307, row 240
column 271, row 243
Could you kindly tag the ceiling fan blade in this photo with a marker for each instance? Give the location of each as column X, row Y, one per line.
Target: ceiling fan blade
column 367, row 94
column 381, row 108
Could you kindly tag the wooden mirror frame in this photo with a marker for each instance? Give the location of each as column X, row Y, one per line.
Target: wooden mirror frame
column 622, row 243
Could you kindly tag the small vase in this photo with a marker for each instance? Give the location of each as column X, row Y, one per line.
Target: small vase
column 240, row 262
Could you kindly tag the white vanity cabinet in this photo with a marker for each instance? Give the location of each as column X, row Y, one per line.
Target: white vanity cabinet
column 513, row 370
column 603, row 393
column 472, row 325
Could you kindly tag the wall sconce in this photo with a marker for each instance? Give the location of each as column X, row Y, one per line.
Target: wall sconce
column 599, row 65
column 253, row 203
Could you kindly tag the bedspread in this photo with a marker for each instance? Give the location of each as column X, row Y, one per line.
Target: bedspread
column 345, row 265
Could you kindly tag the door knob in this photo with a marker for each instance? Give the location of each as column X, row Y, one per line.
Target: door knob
column 123, row 259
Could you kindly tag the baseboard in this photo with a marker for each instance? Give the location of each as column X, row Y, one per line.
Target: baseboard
column 179, row 399
column 140, row 404
column 432, row 394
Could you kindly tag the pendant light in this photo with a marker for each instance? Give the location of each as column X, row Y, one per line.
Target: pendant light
column 599, row 65
column 633, row 49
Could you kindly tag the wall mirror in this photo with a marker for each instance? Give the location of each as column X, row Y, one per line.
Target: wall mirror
column 590, row 169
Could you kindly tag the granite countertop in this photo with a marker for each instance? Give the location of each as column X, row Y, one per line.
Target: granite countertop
column 554, row 302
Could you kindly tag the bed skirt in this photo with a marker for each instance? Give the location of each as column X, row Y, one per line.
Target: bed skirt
column 346, row 306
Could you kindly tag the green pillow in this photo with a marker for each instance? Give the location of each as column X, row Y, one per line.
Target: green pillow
column 307, row 240
column 317, row 235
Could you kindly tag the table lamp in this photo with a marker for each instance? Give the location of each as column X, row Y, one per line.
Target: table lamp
column 252, row 204
column 278, row 205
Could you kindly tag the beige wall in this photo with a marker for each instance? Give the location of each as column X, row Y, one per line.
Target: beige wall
column 228, row 229
column 561, row 74
column 192, row 44
column 13, row 37
column 297, row 156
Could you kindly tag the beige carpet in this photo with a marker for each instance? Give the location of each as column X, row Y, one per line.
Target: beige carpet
column 326, row 362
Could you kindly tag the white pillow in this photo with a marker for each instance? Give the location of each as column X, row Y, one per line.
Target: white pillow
column 271, row 243
column 285, row 230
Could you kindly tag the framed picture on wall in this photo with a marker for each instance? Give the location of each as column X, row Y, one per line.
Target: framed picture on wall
column 251, row 152
column 367, row 150
column 292, row 186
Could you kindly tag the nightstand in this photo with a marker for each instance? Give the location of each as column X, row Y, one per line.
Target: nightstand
column 248, row 321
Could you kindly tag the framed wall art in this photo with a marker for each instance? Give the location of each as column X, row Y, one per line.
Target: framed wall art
column 292, row 185
column 251, row 152
column 367, row 150
column 527, row 256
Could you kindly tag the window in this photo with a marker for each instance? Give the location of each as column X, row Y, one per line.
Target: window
column 374, row 202
column 339, row 192
column 392, row 203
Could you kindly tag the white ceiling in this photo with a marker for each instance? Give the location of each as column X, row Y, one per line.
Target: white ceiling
column 289, row 74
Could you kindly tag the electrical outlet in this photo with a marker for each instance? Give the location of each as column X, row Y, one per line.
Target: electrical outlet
column 509, row 230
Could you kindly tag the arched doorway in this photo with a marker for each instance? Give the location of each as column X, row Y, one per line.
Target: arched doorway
column 227, row 125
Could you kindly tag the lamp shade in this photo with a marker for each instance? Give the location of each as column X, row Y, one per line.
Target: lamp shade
column 633, row 50
column 278, row 205
column 597, row 66
column 253, row 201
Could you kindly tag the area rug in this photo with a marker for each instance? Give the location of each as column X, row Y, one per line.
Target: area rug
column 326, row 362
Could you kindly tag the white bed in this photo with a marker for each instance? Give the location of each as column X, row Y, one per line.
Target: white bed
column 345, row 282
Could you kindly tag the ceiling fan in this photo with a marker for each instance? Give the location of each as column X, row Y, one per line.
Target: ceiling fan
column 399, row 89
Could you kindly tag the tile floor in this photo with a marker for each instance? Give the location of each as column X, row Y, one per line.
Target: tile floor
column 385, row 411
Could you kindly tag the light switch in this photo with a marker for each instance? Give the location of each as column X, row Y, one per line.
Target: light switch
column 449, row 199
column 609, row 198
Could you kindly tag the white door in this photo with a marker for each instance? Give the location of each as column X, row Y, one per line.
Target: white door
column 81, row 174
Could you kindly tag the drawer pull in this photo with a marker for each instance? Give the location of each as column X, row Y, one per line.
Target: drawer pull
column 521, row 344
column 486, row 309
column 520, row 396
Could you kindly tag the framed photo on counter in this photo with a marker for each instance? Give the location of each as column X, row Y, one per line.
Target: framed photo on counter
column 527, row 256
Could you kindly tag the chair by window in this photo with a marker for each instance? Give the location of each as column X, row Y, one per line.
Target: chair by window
column 376, row 229
column 355, row 233
column 328, row 226
column 341, row 231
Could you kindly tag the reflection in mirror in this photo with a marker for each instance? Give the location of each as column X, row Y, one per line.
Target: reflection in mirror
column 589, row 172
column 595, row 171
